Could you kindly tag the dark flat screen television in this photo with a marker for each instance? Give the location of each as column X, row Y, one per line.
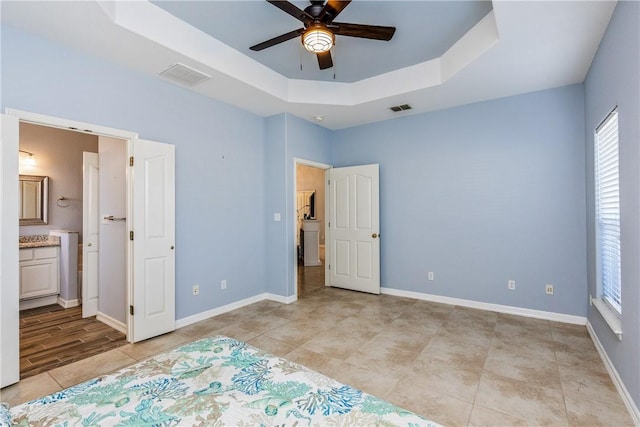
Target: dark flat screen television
column 312, row 205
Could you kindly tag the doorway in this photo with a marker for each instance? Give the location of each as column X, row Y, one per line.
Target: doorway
column 59, row 329
column 310, row 226
column 150, row 209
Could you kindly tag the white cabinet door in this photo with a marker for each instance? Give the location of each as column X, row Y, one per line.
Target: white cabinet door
column 153, row 296
column 354, row 227
column 39, row 272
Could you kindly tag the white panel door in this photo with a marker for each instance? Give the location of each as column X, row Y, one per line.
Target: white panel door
column 9, row 292
column 90, row 233
column 153, row 293
column 354, row 228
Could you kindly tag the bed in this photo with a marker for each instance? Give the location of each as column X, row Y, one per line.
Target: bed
column 213, row 381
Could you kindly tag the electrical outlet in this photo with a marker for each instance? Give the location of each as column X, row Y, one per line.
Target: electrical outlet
column 549, row 289
column 511, row 285
column 430, row 275
column 223, row 284
column 196, row 289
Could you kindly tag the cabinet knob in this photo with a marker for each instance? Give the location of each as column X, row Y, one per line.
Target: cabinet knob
column 88, row 244
column 171, row 247
column 374, row 235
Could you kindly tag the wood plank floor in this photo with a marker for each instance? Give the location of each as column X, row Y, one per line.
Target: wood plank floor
column 311, row 278
column 52, row 336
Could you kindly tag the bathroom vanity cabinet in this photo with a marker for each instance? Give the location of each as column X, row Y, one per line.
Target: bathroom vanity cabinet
column 39, row 272
column 311, row 230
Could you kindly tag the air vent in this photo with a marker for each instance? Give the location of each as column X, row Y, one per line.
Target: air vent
column 184, row 74
column 398, row 108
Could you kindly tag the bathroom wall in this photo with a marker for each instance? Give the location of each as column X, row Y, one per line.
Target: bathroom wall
column 113, row 234
column 309, row 178
column 58, row 155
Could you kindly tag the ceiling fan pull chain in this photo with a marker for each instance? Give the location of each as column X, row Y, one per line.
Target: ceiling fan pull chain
column 300, row 48
column 337, row 62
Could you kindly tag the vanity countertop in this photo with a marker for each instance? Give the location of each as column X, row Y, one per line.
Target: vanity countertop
column 38, row 241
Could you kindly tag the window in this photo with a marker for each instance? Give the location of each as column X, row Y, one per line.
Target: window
column 607, row 197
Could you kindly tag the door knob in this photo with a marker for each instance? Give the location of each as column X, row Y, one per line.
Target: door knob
column 374, row 235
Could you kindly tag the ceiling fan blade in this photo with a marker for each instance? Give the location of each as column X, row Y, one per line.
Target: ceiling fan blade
column 375, row 32
column 324, row 60
column 277, row 40
column 332, row 9
column 292, row 10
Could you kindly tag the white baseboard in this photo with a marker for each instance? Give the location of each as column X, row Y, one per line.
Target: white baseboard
column 68, row 303
column 507, row 309
column 518, row 311
column 38, row 302
column 114, row 323
column 186, row 321
column 280, row 298
column 617, row 381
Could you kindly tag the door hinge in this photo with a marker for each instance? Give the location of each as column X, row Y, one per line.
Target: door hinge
column 131, row 235
column 328, row 182
column 131, row 161
column 329, row 266
column 329, row 224
column 131, row 310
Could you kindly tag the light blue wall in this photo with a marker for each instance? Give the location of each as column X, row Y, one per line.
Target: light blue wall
column 220, row 154
column 481, row 194
column 614, row 80
column 276, row 182
column 288, row 138
column 305, row 141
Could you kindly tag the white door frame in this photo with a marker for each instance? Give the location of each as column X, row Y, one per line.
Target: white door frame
column 9, row 275
column 298, row 161
column 40, row 119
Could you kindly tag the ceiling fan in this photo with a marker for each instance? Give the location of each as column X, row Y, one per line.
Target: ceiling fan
column 318, row 34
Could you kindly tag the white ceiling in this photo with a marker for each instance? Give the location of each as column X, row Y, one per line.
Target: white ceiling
column 511, row 48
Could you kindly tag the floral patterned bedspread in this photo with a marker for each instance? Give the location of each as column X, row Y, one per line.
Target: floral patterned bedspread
column 217, row 381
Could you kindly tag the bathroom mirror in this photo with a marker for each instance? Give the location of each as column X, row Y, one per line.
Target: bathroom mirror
column 34, row 199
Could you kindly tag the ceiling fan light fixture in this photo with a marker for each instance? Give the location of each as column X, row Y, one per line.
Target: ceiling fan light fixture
column 317, row 39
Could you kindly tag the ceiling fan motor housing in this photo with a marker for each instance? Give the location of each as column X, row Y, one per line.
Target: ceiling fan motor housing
column 315, row 9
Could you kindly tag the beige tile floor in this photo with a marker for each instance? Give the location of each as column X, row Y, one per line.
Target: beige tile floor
column 454, row 365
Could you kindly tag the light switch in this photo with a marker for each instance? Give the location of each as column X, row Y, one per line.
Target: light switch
column 276, row 216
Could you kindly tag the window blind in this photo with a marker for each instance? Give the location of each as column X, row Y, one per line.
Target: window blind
column 608, row 210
